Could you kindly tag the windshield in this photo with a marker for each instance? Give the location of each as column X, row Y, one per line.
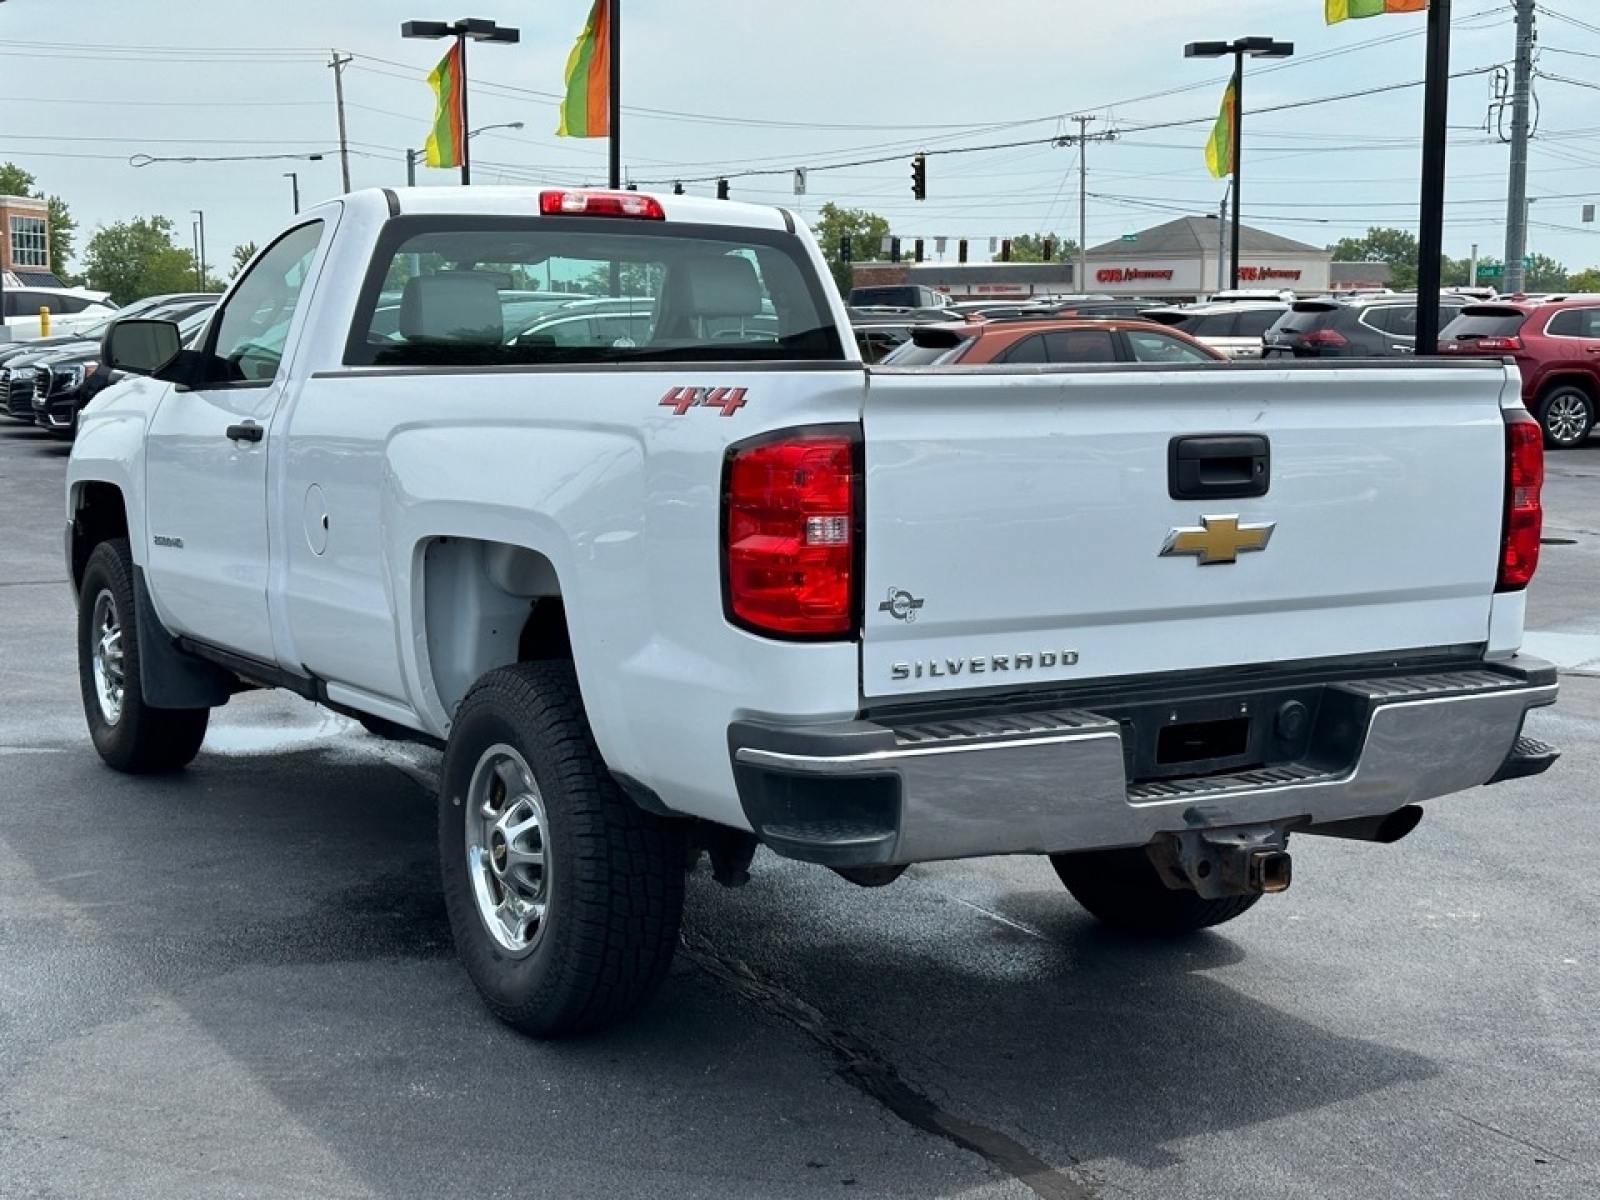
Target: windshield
column 455, row 291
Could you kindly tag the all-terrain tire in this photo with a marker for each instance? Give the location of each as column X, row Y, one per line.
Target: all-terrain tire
column 565, row 898
column 130, row 735
column 1122, row 890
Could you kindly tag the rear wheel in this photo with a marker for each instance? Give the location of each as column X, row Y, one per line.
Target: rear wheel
column 1567, row 415
column 564, row 897
column 130, row 735
column 1122, row 889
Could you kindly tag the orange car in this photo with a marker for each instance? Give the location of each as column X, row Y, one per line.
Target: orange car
column 1047, row 340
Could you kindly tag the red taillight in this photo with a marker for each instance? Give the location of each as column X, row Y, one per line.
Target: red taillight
column 1524, row 516
column 1498, row 344
column 789, row 535
column 601, row 204
column 1323, row 337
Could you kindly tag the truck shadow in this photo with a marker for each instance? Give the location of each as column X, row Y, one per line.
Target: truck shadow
column 288, row 905
column 1037, row 1019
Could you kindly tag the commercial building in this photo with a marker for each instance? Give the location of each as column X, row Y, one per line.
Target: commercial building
column 1179, row 260
column 25, row 242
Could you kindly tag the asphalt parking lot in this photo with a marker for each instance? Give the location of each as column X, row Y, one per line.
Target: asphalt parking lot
column 239, row 982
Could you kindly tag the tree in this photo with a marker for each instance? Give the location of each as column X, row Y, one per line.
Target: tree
column 865, row 230
column 1029, row 248
column 1393, row 246
column 242, row 254
column 1586, row 280
column 1544, row 275
column 14, row 181
column 137, row 258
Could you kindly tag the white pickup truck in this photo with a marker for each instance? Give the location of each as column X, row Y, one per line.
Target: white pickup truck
column 591, row 489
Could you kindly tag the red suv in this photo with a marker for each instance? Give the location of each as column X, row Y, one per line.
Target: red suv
column 1556, row 345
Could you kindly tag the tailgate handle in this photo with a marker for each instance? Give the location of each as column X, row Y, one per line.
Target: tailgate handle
column 1225, row 466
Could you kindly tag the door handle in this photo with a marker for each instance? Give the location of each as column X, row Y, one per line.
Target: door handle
column 248, row 432
column 1218, row 466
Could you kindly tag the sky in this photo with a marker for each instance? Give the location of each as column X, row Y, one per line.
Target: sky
column 137, row 108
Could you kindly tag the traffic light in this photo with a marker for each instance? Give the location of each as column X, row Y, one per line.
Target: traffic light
column 961, row 250
column 1005, row 250
column 677, row 189
column 722, row 189
column 916, row 250
column 894, row 249
column 845, row 253
column 1049, row 249
column 919, row 176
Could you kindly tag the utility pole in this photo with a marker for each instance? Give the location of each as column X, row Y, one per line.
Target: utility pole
column 1081, row 140
column 1222, row 236
column 1517, row 184
column 338, row 65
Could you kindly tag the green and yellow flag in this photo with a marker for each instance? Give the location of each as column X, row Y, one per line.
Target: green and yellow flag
column 1219, row 146
column 1343, row 10
column 443, row 146
column 586, row 111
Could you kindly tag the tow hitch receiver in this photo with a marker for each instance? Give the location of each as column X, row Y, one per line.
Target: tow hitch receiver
column 1242, row 861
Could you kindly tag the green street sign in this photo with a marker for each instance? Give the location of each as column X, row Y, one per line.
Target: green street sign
column 1130, row 237
column 1527, row 262
column 1490, row 271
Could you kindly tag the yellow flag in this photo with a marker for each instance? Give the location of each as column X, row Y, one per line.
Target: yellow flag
column 1219, row 146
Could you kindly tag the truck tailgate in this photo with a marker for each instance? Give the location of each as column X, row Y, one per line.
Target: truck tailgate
column 1016, row 521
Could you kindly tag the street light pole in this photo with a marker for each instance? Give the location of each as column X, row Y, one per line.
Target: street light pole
column 1239, row 48
column 294, row 182
column 467, row 29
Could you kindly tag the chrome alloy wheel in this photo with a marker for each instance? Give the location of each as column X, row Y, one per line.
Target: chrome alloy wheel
column 110, row 677
column 1567, row 417
column 508, row 850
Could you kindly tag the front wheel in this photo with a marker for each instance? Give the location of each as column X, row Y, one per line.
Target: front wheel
column 1567, row 415
column 1122, row 889
column 564, row 897
column 130, row 735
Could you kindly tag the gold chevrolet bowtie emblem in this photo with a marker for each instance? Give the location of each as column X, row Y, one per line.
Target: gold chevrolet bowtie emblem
column 1217, row 540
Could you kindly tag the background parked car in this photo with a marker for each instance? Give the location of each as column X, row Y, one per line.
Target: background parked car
column 1359, row 327
column 1234, row 327
column 1556, row 346
column 1048, row 340
column 71, row 309
column 97, row 329
column 67, row 377
column 901, row 295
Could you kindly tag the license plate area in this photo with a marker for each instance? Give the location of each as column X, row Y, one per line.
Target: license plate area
column 1219, row 734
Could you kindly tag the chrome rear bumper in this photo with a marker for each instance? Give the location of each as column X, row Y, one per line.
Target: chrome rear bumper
column 1053, row 781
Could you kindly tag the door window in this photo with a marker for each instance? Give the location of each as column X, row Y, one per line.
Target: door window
column 253, row 326
column 1150, row 346
column 1028, row 350
column 1256, row 322
column 1575, row 322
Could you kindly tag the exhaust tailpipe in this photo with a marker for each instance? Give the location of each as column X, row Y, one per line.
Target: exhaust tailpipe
column 1386, row 829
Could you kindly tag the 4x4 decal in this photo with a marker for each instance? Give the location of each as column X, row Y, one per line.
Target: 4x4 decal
column 681, row 399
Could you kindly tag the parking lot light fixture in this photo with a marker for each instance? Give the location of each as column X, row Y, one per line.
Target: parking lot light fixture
column 474, row 29
column 1240, row 48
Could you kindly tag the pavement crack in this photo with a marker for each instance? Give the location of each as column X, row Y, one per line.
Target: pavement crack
column 1511, row 1137
column 11, row 583
column 865, row 1069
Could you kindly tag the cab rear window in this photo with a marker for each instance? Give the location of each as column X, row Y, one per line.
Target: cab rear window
column 464, row 291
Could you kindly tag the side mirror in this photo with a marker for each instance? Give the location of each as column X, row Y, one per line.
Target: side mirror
column 141, row 347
